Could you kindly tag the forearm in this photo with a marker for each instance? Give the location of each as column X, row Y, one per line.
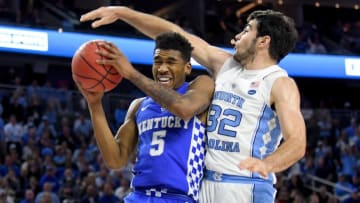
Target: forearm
column 149, row 25
column 286, row 155
column 105, row 140
column 164, row 96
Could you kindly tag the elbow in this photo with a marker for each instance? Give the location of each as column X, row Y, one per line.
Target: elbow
column 302, row 152
column 301, row 149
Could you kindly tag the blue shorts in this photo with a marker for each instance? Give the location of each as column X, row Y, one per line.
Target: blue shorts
column 140, row 196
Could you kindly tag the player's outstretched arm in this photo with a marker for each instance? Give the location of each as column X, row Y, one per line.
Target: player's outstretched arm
column 209, row 56
column 286, row 98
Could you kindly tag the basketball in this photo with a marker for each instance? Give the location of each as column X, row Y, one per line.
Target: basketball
column 90, row 75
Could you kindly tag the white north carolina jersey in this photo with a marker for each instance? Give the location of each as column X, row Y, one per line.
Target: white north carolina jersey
column 241, row 122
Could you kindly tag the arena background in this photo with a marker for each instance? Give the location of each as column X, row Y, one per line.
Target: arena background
column 53, row 140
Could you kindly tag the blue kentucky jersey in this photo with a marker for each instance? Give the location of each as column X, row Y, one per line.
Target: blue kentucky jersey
column 170, row 150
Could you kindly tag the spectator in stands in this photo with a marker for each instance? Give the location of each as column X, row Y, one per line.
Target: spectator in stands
column 314, row 198
column 91, row 196
column 123, row 189
column 66, row 194
column 5, row 197
column 108, row 194
column 13, row 132
column 120, row 112
column 47, row 195
column 323, row 194
column 321, row 169
column 342, row 183
column 35, row 109
column 315, row 45
column 9, row 165
column 29, row 133
column 46, row 127
column 2, row 124
column 354, row 197
column 83, row 127
column 68, row 177
column 29, row 196
column 52, row 110
column 33, row 89
column 33, row 184
column 351, row 129
column 60, row 155
column 82, row 153
column 67, row 137
column 348, row 162
column 50, row 178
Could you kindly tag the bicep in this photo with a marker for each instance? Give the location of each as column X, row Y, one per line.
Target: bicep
column 126, row 136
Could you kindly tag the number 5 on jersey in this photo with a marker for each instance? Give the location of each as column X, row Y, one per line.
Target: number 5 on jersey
column 157, row 143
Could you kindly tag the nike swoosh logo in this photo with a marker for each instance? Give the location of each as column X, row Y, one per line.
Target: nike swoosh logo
column 144, row 108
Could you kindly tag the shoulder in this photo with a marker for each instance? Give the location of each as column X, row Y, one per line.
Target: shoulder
column 285, row 89
column 134, row 106
column 229, row 63
column 203, row 83
column 202, row 79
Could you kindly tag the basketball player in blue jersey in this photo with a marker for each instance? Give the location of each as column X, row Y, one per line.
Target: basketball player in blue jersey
column 168, row 126
column 255, row 103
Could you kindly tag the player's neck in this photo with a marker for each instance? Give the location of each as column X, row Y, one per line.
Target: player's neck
column 259, row 63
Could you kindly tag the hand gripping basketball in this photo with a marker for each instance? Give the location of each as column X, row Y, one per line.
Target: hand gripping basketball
column 88, row 74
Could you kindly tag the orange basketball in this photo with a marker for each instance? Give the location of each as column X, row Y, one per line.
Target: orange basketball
column 90, row 75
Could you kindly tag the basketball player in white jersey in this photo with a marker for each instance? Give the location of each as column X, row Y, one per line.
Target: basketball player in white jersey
column 166, row 129
column 255, row 104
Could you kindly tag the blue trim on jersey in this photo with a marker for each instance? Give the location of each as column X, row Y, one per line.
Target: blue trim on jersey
column 263, row 193
column 266, row 139
column 256, row 132
column 220, row 177
column 275, row 138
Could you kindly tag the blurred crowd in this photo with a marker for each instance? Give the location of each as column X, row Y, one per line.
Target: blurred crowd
column 49, row 151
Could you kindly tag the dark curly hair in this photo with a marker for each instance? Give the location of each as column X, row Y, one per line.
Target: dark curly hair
column 280, row 28
column 174, row 41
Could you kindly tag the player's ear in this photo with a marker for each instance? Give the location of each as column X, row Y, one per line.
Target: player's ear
column 188, row 68
column 264, row 40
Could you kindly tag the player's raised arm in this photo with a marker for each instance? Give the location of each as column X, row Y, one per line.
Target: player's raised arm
column 115, row 152
column 209, row 56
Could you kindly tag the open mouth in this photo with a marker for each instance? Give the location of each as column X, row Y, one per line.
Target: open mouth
column 164, row 80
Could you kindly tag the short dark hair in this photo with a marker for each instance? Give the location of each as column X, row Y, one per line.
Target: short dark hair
column 174, row 41
column 279, row 27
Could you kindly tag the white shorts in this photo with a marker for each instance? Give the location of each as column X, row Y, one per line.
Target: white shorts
column 225, row 189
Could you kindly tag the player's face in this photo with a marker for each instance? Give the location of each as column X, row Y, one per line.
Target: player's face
column 245, row 42
column 169, row 69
